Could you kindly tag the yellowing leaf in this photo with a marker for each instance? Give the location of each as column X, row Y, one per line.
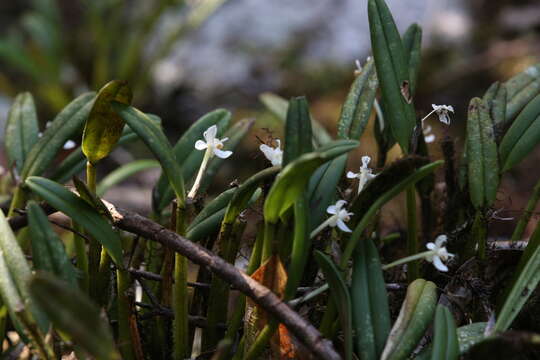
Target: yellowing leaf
column 104, row 126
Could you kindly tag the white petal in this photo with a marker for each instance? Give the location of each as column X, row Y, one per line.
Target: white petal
column 435, row 107
column 340, row 204
column 342, row 226
column 365, row 161
column 439, row 264
column 200, row 145
column 332, row 209
column 278, row 143
column 210, row 134
column 222, row 154
column 429, row 139
column 70, row 144
column 431, row 246
column 441, row 240
column 351, row 175
column 266, row 150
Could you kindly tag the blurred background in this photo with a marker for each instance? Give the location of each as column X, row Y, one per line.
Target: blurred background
column 184, row 58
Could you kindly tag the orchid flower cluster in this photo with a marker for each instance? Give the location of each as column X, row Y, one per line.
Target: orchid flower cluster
column 442, row 112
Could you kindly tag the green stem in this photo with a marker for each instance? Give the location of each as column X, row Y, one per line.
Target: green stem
column 268, row 243
column 94, row 246
column 91, row 176
column 17, row 201
column 262, row 340
column 413, row 270
column 527, row 213
column 320, row 228
column 180, row 293
column 124, row 333
column 407, row 259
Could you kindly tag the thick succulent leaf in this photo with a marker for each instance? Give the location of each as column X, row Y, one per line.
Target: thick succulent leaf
column 415, row 316
column 370, row 312
column 356, row 110
column 157, row 142
column 21, row 131
column 187, row 156
column 445, row 340
column 104, row 126
column 279, row 107
column 341, row 298
column 81, row 212
column 298, row 135
column 293, row 179
column 48, row 253
column 392, row 72
column 522, row 137
column 495, row 100
column 521, row 89
column 524, row 282
column 236, row 134
column 124, row 172
column 412, row 43
column 468, row 335
column 75, row 315
column 483, row 160
column 61, row 129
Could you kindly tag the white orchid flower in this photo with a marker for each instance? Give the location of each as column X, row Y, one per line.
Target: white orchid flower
column 442, row 112
column 213, row 144
column 365, row 174
column 439, row 254
column 338, row 218
column 274, row 155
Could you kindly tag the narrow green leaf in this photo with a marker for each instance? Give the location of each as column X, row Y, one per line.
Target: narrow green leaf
column 81, row 212
column 377, row 193
column 21, row 131
column 104, row 126
column 521, row 89
column 495, row 100
column 524, row 282
column 61, row 129
column 217, row 204
column 341, row 298
column 75, row 315
column 414, row 318
column 445, row 341
column 124, row 172
column 392, row 72
column 298, row 135
column 483, row 164
column 187, row 156
column 412, row 44
column 153, row 137
column 48, row 253
column 91, row 198
column 356, row 110
column 236, row 134
column 293, row 179
column 370, row 312
column 522, row 137
column 279, row 107
column 468, row 335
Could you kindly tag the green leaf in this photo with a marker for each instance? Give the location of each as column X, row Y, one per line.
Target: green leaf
column 217, row 204
column 524, row 282
column 81, row 212
column 21, row 131
column 187, row 156
column 414, row 318
column 445, row 341
column 104, row 126
column 412, row 44
column 153, row 137
column 48, row 252
column 495, row 100
column 75, row 315
column 341, row 298
column 468, row 335
column 61, row 129
column 522, row 137
column 293, row 179
column 483, row 161
column 279, row 107
column 124, row 172
column 298, row 136
column 236, row 134
column 521, row 89
column 370, row 312
column 379, row 191
column 392, row 72
column 356, row 110
column 91, row 198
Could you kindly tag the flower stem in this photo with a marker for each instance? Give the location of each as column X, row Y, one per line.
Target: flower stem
column 413, row 271
column 407, row 259
column 180, row 293
column 320, row 227
column 425, row 117
column 193, row 192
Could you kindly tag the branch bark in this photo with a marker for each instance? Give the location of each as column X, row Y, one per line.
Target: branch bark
column 261, row 295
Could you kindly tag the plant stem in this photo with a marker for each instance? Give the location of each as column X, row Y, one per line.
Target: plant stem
column 124, row 333
column 262, row 339
column 193, row 192
column 17, row 201
column 91, row 176
column 319, row 228
column 180, row 293
column 407, row 259
column 527, row 213
column 268, row 243
column 413, row 270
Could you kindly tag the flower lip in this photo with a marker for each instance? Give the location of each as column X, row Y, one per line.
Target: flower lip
column 439, row 254
column 274, row 155
column 364, row 175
